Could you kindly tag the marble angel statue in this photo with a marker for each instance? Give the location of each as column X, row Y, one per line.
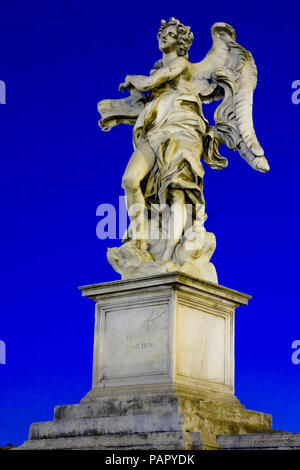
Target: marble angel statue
column 163, row 181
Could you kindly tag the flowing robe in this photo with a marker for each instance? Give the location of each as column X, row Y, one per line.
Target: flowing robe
column 173, row 124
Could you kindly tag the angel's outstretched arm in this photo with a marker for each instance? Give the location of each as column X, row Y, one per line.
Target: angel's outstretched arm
column 159, row 77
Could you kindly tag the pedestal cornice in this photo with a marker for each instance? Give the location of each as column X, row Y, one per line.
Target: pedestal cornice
column 168, row 280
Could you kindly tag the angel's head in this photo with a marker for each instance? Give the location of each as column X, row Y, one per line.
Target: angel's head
column 174, row 36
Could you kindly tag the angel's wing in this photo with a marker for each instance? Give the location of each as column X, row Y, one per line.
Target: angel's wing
column 228, row 71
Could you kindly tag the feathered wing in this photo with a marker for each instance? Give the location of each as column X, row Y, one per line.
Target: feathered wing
column 228, row 72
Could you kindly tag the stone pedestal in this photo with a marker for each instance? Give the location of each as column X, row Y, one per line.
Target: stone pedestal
column 163, row 374
column 167, row 329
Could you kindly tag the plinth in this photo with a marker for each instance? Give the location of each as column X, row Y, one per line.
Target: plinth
column 163, row 370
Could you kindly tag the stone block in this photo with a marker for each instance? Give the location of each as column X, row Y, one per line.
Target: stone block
column 163, row 371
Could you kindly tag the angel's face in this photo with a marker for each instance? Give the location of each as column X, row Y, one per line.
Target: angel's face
column 167, row 39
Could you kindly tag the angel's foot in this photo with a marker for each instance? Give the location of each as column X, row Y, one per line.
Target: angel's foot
column 260, row 164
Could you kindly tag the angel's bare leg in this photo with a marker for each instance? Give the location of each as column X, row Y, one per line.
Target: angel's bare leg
column 177, row 221
column 139, row 165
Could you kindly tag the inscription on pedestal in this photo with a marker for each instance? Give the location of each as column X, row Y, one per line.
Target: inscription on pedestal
column 136, row 342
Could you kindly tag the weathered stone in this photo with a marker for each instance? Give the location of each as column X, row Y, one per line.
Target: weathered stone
column 163, row 375
column 268, row 441
column 174, row 420
column 168, row 329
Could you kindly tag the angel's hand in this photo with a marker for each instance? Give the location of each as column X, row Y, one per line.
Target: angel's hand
column 122, row 86
column 127, row 84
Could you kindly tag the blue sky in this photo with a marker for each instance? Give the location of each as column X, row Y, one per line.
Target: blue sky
column 58, row 59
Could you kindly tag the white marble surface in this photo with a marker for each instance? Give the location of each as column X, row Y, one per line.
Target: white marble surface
column 201, row 342
column 136, row 341
column 164, row 329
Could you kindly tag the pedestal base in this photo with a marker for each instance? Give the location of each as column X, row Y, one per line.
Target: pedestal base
column 268, row 441
column 163, row 374
column 177, row 419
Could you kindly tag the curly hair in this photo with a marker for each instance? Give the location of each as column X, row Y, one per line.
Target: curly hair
column 185, row 36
